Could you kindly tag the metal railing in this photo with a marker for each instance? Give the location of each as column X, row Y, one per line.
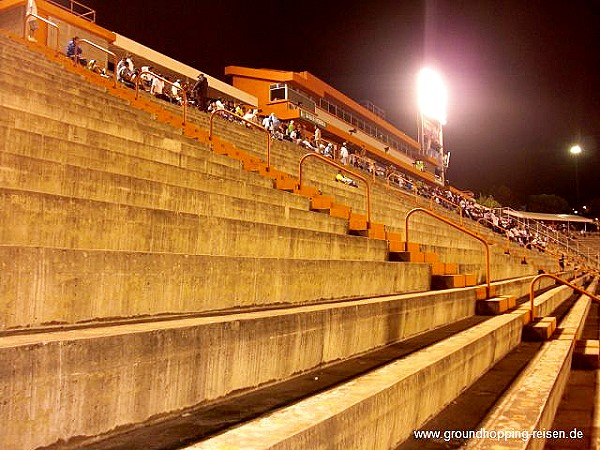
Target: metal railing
column 341, row 167
column 77, row 9
column 460, row 228
column 249, row 122
column 46, row 21
column 98, row 47
column 559, row 280
column 164, row 80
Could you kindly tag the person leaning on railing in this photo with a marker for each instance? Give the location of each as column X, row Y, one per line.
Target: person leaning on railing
column 72, row 47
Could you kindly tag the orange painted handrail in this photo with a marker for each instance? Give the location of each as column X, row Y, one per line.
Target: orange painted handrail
column 341, row 167
column 137, row 88
column 105, row 50
column 46, row 21
column 560, row 280
column 249, row 122
column 460, row 228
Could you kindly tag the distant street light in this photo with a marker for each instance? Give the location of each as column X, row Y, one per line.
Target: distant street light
column 575, row 151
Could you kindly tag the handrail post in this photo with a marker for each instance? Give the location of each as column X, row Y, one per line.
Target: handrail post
column 137, row 88
column 560, row 280
column 46, row 21
column 486, row 245
column 249, row 122
column 339, row 166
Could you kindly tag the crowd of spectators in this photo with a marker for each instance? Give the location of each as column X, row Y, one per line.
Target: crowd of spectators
column 196, row 95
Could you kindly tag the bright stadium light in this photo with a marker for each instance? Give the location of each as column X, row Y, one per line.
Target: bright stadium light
column 575, row 150
column 432, row 95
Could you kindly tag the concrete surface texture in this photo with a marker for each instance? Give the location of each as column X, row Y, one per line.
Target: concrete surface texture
column 142, row 274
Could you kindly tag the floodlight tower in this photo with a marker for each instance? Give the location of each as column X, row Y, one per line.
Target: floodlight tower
column 576, row 151
column 432, row 101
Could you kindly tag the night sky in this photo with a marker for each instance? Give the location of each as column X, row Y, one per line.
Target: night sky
column 523, row 76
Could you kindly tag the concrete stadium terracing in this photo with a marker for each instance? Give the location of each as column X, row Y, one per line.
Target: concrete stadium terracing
column 147, row 280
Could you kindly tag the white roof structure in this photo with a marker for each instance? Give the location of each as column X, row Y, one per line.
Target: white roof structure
column 548, row 217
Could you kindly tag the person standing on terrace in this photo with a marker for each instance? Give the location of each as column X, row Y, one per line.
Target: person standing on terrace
column 317, row 136
column 200, row 91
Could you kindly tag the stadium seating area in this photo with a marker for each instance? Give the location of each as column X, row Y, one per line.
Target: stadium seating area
column 151, row 275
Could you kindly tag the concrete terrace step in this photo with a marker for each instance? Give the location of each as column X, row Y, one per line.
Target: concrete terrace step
column 532, row 401
column 47, row 220
column 443, row 370
column 191, row 173
column 50, row 285
column 217, row 198
column 70, row 113
column 23, row 133
column 297, row 339
column 45, row 90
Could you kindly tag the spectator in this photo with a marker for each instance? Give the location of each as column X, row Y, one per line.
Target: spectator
column 73, row 48
column 125, row 71
column 200, row 92
column 344, row 154
column 317, row 136
column 340, row 177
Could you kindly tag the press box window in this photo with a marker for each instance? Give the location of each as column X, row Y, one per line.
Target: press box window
column 278, row 92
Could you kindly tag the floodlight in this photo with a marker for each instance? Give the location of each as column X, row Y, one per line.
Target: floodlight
column 575, row 150
column 432, row 95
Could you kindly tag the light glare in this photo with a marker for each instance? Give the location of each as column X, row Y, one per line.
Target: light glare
column 575, row 150
column 432, row 94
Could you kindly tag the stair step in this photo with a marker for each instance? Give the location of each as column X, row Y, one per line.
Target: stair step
column 358, row 222
column 321, row 203
column 540, row 330
column 339, row 210
column 495, row 305
column 447, row 281
column 407, row 256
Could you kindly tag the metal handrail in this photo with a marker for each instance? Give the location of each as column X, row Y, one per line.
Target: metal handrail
column 72, row 10
column 560, row 280
column 52, row 24
column 96, row 46
column 460, row 228
column 261, row 128
column 137, row 88
column 341, row 167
